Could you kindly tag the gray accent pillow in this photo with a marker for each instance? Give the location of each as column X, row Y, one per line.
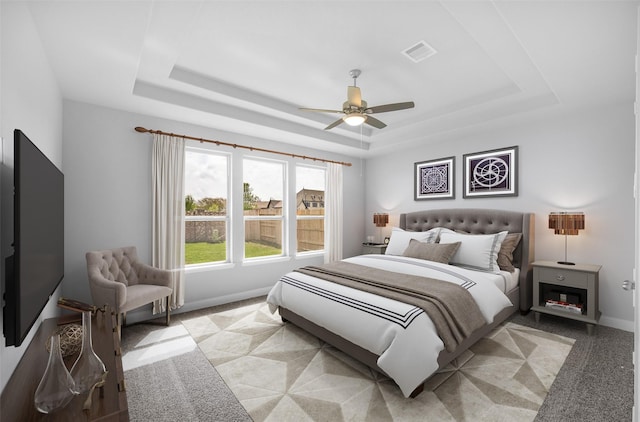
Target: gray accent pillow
column 505, row 255
column 431, row 251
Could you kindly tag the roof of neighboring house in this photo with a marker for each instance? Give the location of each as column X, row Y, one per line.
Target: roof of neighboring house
column 306, row 196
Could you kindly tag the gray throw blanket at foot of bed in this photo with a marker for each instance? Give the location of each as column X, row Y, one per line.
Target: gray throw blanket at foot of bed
column 452, row 309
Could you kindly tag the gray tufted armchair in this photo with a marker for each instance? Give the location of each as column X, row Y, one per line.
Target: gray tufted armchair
column 119, row 279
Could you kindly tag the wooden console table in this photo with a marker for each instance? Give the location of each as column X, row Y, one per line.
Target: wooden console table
column 16, row 403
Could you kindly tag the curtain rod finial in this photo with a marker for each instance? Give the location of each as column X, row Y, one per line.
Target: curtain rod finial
column 141, row 129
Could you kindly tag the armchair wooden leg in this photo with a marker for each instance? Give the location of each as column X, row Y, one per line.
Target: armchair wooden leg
column 119, row 325
column 167, row 309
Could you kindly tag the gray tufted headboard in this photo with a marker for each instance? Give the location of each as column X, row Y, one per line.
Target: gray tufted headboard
column 485, row 221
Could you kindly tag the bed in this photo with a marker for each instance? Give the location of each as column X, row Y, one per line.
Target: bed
column 402, row 339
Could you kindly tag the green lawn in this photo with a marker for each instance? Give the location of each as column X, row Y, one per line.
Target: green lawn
column 200, row 252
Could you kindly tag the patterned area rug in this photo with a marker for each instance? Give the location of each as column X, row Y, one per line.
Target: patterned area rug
column 278, row 372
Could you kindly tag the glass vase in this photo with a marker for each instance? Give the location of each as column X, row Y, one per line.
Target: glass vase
column 56, row 387
column 88, row 368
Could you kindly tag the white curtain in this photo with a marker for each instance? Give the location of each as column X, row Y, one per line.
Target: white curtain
column 333, row 214
column 168, row 213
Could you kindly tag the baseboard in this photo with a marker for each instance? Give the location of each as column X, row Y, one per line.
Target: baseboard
column 220, row 300
column 621, row 324
column 144, row 314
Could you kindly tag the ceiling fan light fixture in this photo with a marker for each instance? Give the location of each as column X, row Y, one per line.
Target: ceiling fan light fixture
column 356, row 111
column 354, row 119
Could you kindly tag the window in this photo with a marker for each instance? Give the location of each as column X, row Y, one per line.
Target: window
column 206, row 206
column 263, row 205
column 208, row 212
column 310, row 188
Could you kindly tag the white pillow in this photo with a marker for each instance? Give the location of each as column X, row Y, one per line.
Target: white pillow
column 476, row 251
column 400, row 239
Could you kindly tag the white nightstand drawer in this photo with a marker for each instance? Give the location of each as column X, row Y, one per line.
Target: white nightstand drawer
column 564, row 277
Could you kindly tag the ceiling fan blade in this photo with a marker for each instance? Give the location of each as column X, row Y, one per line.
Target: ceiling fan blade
column 353, row 96
column 321, row 110
column 375, row 122
column 390, row 107
column 334, row 124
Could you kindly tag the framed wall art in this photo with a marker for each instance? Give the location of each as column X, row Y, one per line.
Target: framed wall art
column 491, row 173
column 434, row 179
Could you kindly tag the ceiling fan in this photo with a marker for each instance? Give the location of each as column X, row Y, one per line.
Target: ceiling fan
column 355, row 109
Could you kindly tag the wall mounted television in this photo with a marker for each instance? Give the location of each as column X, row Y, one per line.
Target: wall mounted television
column 36, row 267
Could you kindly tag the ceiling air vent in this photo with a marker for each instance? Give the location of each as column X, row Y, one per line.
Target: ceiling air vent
column 419, row 51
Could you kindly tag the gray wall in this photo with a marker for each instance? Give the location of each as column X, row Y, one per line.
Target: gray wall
column 108, row 202
column 31, row 101
column 581, row 162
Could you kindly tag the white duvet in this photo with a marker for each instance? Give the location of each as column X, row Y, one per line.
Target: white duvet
column 402, row 335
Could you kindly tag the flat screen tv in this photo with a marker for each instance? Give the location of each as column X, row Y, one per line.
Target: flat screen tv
column 36, row 267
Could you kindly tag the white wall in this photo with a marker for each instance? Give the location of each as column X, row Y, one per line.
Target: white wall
column 31, row 101
column 108, row 201
column 582, row 162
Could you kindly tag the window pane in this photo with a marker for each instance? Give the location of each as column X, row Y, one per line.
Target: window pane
column 263, row 185
column 309, row 178
column 206, row 193
column 206, row 183
column 262, row 238
column 310, row 187
column 205, row 242
column 263, row 193
column 310, row 235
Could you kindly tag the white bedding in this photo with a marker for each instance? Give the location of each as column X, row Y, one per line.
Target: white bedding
column 511, row 280
column 402, row 335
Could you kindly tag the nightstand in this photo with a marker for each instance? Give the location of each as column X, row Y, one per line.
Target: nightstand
column 573, row 284
column 376, row 248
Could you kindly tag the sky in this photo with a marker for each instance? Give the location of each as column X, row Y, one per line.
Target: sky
column 206, row 176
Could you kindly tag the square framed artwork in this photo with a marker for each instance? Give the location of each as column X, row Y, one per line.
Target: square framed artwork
column 491, row 173
column 434, row 179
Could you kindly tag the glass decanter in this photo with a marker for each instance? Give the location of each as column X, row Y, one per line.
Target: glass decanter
column 56, row 387
column 88, row 368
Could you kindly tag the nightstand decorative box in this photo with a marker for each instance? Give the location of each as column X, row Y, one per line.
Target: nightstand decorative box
column 569, row 291
column 375, row 248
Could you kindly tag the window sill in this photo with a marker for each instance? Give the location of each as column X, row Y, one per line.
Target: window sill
column 307, row 255
column 267, row 260
column 200, row 268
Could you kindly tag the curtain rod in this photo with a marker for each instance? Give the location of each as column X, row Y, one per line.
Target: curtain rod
column 304, row 157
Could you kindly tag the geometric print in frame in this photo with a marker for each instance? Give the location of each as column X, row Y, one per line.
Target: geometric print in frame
column 434, row 179
column 491, row 173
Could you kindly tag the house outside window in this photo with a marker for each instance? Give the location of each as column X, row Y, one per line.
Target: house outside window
column 264, row 208
column 310, row 190
column 207, row 187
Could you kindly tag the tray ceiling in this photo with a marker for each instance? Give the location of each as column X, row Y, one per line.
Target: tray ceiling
column 246, row 67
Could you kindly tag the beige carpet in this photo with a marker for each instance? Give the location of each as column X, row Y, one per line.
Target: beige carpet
column 281, row 373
